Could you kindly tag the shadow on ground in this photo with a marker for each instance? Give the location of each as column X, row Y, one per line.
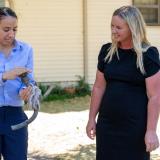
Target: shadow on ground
column 39, row 156
column 86, row 152
column 79, row 153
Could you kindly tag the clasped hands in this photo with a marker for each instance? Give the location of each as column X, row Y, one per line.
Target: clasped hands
column 13, row 74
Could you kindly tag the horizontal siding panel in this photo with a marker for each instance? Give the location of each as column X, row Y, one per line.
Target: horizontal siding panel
column 99, row 17
column 55, row 30
column 2, row 3
column 153, row 33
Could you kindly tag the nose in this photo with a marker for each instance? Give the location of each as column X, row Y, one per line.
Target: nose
column 114, row 30
column 11, row 33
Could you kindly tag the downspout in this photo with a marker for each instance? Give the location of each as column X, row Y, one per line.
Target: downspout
column 85, row 41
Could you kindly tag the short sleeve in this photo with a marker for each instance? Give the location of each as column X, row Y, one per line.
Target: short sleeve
column 101, row 57
column 151, row 61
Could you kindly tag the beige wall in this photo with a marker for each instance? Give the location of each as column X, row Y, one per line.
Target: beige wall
column 67, row 35
column 153, row 33
column 99, row 16
column 55, row 30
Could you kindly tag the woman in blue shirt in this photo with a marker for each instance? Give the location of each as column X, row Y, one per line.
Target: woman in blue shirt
column 15, row 58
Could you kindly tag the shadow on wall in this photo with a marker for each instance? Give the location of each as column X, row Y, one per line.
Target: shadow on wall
column 86, row 152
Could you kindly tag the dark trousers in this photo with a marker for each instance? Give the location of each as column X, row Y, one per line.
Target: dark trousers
column 13, row 144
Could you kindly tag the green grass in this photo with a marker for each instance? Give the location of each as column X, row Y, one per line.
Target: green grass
column 66, row 105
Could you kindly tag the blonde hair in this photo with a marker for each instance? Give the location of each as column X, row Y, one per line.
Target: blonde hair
column 136, row 24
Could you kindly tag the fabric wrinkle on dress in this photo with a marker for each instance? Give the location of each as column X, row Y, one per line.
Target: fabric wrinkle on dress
column 122, row 118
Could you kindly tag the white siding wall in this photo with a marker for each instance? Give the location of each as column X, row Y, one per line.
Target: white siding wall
column 153, row 33
column 2, row 3
column 55, row 29
column 99, row 17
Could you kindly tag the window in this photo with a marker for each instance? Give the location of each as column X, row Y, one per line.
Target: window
column 150, row 10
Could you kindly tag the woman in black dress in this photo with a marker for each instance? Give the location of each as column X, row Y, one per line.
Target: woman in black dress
column 126, row 92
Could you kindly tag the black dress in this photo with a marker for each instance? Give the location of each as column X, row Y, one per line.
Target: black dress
column 121, row 123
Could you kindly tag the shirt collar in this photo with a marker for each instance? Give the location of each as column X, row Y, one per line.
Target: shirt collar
column 17, row 46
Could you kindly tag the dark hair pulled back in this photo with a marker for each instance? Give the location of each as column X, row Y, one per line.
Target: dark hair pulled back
column 6, row 11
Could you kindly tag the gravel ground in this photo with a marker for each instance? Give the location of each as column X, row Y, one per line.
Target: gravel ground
column 60, row 134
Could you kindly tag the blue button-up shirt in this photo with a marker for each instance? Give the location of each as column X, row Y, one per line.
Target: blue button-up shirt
column 20, row 56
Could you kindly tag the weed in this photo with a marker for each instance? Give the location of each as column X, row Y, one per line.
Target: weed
column 58, row 93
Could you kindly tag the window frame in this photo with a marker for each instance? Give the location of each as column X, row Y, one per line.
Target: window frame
column 154, row 6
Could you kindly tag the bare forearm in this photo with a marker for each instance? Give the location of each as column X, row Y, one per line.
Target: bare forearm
column 153, row 114
column 96, row 98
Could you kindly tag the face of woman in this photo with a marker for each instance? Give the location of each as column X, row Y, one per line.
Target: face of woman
column 8, row 29
column 120, row 30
